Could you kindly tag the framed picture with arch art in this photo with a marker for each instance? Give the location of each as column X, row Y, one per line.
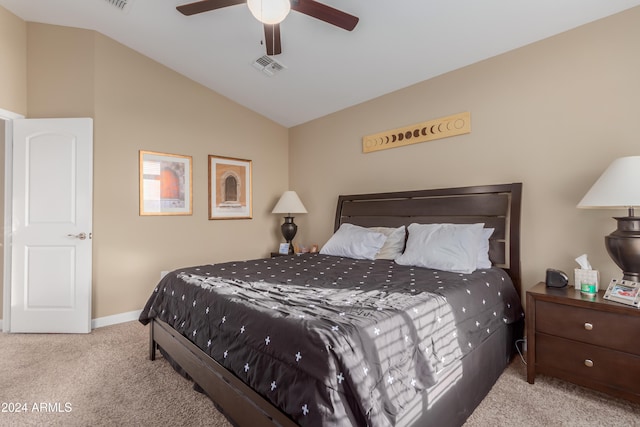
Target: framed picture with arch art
column 229, row 188
column 165, row 184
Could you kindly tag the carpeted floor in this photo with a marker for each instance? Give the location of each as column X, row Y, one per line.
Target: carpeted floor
column 105, row 379
column 549, row 402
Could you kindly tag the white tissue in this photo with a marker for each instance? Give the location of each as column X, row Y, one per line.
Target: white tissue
column 583, row 262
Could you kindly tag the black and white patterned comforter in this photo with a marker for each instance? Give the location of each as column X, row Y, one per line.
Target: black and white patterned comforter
column 330, row 340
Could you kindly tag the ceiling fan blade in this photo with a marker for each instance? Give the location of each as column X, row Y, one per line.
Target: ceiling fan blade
column 272, row 39
column 325, row 13
column 206, row 5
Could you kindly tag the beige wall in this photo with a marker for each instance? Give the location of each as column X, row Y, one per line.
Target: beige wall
column 551, row 115
column 142, row 105
column 138, row 104
column 60, row 72
column 13, row 63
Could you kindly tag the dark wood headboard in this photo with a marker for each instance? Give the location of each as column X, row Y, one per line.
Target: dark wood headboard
column 497, row 206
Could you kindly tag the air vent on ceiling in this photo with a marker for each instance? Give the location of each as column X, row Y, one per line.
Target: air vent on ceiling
column 123, row 5
column 268, row 65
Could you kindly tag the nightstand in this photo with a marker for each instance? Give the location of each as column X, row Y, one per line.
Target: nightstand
column 275, row 254
column 592, row 343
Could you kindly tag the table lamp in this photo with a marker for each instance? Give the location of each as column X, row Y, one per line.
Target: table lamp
column 619, row 188
column 289, row 203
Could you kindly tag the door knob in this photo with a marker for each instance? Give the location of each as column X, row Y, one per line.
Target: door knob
column 80, row 236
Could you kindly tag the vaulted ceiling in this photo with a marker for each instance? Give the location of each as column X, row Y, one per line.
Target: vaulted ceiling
column 395, row 43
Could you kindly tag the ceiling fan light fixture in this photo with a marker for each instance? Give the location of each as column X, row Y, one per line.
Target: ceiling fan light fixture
column 269, row 11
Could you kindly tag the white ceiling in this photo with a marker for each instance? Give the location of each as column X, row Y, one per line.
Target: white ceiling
column 396, row 43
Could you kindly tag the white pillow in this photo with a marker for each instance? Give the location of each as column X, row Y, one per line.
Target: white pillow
column 483, row 249
column 449, row 247
column 353, row 241
column 394, row 245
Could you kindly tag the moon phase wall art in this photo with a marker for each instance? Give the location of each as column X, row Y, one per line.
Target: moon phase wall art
column 457, row 124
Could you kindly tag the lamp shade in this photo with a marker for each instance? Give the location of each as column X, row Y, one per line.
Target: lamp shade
column 289, row 203
column 269, row 11
column 617, row 187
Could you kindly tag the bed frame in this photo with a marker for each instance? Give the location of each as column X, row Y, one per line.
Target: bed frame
column 497, row 206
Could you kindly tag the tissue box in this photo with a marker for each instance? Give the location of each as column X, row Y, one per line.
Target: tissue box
column 586, row 276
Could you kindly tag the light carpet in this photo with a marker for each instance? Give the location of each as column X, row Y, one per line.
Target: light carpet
column 105, row 379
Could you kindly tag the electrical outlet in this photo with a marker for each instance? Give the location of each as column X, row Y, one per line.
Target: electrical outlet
column 524, row 346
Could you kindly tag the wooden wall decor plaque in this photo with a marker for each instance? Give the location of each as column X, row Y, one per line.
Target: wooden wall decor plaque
column 457, row 124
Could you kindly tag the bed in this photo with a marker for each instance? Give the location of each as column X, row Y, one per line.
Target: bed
column 327, row 339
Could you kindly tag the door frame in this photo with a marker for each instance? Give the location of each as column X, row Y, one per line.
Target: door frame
column 8, row 117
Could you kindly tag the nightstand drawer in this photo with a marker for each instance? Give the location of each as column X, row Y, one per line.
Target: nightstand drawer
column 586, row 364
column 611, row 330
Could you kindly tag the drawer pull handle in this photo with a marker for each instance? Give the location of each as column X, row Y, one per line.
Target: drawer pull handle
column 588, row 363
column 588, row 326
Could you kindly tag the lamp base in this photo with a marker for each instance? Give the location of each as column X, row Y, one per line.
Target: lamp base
column 623, row 246
column 289, row 230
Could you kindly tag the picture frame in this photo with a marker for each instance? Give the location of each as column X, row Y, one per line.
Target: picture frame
column 230, row 188
column 623, row 291
column 284, row 249
column 166, row 184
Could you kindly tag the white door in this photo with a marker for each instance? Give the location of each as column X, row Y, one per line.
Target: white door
column 51, row 225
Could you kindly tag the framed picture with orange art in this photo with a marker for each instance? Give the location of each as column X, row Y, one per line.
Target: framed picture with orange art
column 229, row 188
column 165, row 184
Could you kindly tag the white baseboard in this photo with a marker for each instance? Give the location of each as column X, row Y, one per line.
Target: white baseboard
column 101, row 322
column 115, row 319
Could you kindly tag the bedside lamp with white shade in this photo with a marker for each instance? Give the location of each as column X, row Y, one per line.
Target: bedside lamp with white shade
column 289, row 203
column 619, row 188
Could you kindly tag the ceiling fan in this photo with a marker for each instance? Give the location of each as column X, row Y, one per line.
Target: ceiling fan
column 272, row 27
